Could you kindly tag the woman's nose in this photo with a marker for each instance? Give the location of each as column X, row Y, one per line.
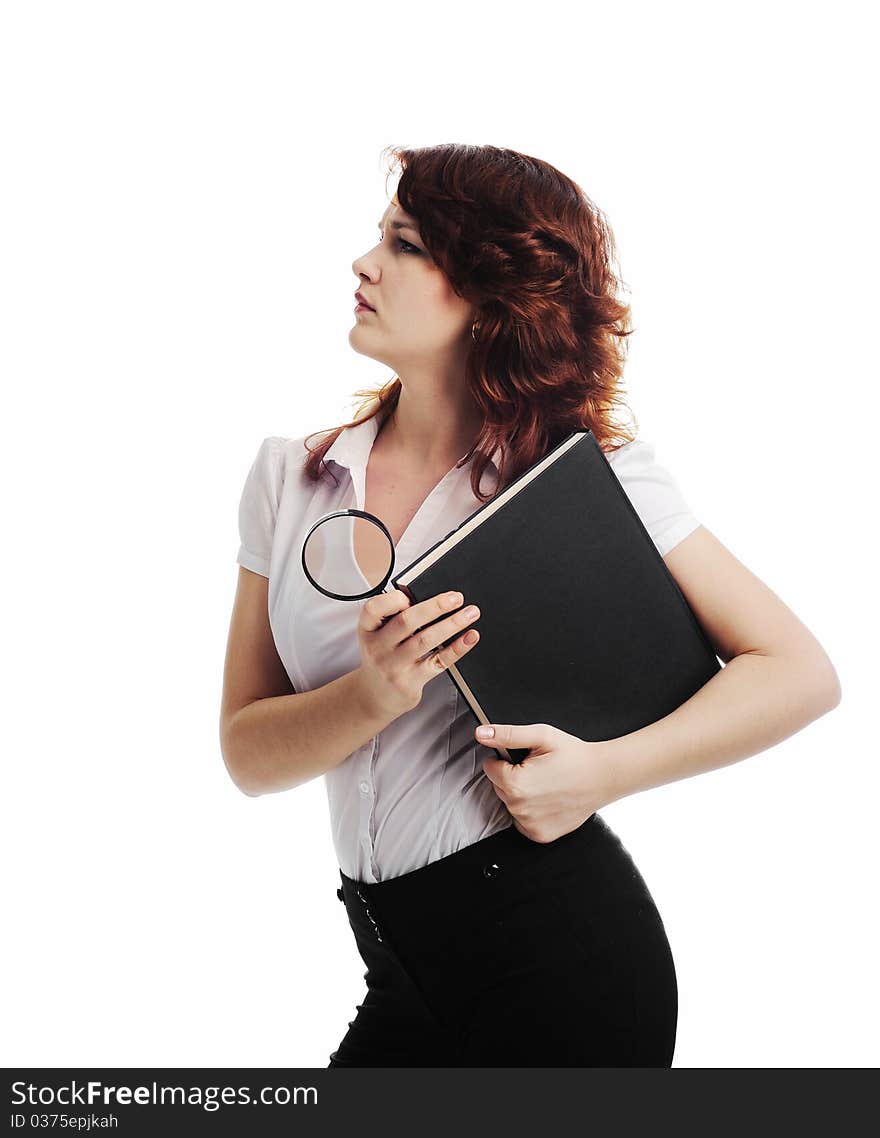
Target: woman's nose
column 365, row 266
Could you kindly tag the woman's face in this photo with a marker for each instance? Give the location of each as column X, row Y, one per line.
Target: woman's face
column 418, row 319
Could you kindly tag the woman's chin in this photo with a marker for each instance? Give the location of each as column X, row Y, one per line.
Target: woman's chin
column 356, row 342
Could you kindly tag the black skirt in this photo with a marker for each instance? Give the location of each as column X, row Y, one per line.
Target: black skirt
column 513, row 953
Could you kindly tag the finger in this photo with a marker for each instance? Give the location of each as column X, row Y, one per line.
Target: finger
column 437, row 661
column 497, row 771
column 435, row 636
column 379, row 608
column 519, row 735
column 428, row 614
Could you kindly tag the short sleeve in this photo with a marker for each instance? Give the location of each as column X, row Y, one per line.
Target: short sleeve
column 654, row 493
column 258, row 508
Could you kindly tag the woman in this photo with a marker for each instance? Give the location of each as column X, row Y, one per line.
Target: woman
column 501, row 921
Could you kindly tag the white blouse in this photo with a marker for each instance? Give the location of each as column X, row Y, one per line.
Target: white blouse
column 416, row 791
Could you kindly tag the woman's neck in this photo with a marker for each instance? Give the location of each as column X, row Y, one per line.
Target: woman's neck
column 430, row 440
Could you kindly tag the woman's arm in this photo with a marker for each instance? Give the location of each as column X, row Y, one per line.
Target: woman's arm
column 756, row 701
column 777, row 678
column 273, row 738
column 281, row 742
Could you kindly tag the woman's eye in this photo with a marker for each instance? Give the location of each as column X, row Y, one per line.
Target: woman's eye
column 404, row 246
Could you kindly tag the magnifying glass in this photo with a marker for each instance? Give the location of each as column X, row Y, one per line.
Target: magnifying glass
column 329, row 561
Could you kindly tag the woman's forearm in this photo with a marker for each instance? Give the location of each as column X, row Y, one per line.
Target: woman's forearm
column 753, row 703
column 283, row 741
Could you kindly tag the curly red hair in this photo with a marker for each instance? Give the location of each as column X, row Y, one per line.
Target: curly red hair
column 524, row 244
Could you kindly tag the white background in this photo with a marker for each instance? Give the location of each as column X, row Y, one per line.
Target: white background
column 186, row 186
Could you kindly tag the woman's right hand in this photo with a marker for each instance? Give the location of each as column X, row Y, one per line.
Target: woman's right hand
column 398, row 654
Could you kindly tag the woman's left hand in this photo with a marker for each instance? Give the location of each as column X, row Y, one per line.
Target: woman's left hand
column 555, row 788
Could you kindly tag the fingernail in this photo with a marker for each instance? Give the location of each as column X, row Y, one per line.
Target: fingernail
column 486, row 732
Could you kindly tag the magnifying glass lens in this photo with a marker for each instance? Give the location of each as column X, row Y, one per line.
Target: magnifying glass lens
column 348, row 555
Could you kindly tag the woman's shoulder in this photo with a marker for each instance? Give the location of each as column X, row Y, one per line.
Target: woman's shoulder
column 290, row 455
column 636, row 450
column 286, row 450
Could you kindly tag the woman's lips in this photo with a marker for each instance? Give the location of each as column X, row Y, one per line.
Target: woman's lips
column 363, row 308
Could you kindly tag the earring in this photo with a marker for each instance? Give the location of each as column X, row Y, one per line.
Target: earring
column 473, row 333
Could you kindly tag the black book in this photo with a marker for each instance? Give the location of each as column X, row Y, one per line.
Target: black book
column 582, row 625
